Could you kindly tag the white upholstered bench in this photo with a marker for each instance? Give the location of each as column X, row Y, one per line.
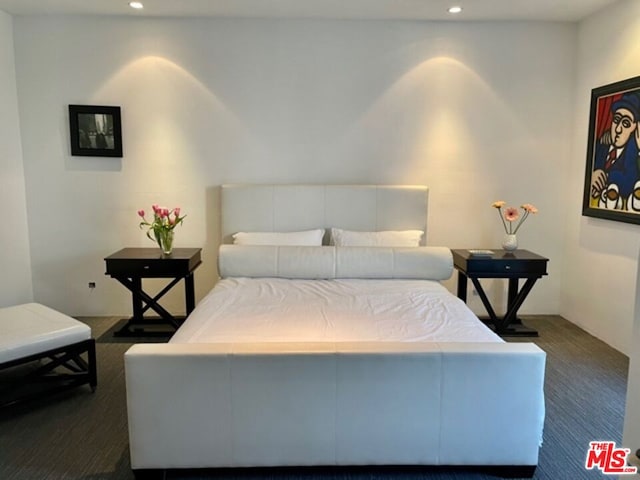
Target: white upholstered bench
column 31, row 332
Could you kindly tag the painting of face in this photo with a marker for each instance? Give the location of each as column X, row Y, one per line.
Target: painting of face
column 612, row 177
column 623, row 125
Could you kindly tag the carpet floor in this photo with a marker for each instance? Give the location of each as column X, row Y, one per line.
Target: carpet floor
column 80, row 435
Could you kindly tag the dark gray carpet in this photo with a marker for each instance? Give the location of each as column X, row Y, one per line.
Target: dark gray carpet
column 80, row 435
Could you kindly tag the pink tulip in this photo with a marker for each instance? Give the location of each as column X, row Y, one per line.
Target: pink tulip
column 141, row 213
column 176, row 211
column 165, row 212
column 155, row 208
column 171, row 220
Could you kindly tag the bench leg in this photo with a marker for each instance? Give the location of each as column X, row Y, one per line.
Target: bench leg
column 93, row 372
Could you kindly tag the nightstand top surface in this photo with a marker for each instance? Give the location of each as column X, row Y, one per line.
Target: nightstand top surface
column 153, row 253
column 499, row 254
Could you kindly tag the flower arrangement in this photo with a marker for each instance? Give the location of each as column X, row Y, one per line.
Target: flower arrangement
column 164, row 221
column 511, row 215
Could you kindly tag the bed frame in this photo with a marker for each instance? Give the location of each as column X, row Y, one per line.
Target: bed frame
column 283, row 208
column 345, row 404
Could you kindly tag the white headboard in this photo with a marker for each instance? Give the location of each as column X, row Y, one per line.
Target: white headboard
column 285, row 208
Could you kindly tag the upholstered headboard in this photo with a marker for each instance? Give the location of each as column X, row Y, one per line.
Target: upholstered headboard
column 285, row 208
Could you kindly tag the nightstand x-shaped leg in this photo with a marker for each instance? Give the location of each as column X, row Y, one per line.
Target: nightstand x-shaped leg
column 516, row 298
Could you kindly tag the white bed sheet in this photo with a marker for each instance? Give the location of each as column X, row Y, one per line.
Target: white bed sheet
column 240, row 310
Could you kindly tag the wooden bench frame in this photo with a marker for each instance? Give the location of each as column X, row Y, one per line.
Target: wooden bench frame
column 78, row 372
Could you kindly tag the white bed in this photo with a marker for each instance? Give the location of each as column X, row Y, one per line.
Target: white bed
column 329, row 356
column 254, row 310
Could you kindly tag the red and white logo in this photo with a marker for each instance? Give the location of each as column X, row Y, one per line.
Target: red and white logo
column 609, row 459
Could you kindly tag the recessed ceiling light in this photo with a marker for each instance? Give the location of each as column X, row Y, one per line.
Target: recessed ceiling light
column 455, row 9
column 136, row 5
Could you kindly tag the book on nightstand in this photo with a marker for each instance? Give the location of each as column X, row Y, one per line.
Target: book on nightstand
column 481, row 253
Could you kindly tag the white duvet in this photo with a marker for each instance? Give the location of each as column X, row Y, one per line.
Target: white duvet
column 279, row 310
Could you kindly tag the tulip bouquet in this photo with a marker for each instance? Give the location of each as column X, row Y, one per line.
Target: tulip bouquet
column 162, row 225
column 512, row 215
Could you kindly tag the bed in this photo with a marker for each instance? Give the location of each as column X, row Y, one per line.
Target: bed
column 332, row 355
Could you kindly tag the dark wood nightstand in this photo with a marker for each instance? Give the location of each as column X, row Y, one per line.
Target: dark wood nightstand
column 130, row 265
column 501, row 264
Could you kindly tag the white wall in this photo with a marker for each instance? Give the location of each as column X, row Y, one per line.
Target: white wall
column 602, row 274
column 15, row 270
column 601, row 255
column 631, row 434
column 477, row 111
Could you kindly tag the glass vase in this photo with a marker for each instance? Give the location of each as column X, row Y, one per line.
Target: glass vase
column 510, row 242
column 165, row 242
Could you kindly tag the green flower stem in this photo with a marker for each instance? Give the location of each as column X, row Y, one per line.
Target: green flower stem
column 503, row 222
column 524, row 217
column 165, row 240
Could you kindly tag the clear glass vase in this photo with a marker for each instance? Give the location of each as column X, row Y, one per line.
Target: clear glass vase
column 165, row 241
column 510, row 242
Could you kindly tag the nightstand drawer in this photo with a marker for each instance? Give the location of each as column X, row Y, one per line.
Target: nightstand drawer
column 518, row 264
column 505, row 266
column 145, row 268
column 149, row 263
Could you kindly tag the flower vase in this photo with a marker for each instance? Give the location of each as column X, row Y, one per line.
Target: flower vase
column 510, row 242
column 165, row 242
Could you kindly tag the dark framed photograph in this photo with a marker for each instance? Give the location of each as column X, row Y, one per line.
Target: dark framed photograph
column 612, row 177
column 95, row 131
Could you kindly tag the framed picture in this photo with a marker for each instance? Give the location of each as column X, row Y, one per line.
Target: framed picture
column 95, row 131
column 612, row 177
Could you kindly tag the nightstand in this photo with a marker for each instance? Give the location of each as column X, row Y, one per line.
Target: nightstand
column 130, row 265
column 515, row 265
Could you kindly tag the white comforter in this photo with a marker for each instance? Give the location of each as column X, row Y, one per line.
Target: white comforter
column 280, row 310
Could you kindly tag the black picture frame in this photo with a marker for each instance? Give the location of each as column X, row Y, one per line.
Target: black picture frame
column 612, row 174
column 95, row 131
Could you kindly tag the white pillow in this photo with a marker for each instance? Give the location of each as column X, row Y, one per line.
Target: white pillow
column 307, row 238
column 403, row 238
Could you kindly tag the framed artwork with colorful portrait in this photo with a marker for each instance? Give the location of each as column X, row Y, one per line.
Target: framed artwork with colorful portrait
column 612, row 178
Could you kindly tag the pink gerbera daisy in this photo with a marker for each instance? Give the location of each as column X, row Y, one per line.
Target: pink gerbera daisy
column 511, row 214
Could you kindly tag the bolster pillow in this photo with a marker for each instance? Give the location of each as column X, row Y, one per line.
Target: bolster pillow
column 328, row 262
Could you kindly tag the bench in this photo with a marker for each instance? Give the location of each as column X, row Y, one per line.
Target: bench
column 31, row 333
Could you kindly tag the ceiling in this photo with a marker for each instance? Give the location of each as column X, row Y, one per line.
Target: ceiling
column 537, row 10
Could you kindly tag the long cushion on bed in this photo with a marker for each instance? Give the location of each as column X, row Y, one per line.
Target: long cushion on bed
column 329, row 262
